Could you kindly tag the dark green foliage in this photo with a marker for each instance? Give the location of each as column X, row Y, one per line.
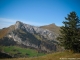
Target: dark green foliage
column 50, row 46
column 70, row 33
column 4, row 55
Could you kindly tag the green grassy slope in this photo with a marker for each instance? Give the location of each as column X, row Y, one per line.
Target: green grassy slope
column 53, row 56
column 52, row 27
column 20, row 52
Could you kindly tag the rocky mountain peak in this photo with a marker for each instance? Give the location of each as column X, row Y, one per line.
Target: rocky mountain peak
column 31, row 36
column 33, row 29
column 19, row 22
column 18, row 25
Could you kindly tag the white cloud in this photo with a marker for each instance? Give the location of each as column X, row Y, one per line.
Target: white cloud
column 7, row 20
column 4, row 22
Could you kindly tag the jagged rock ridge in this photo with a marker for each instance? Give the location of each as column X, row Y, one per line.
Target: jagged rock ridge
column 31, row 36
column 32, row 29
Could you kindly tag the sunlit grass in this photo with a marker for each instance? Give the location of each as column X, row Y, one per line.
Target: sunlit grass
column 23, row 52
column 53, row 56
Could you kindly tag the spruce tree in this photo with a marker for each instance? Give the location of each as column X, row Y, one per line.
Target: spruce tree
column 70, row 33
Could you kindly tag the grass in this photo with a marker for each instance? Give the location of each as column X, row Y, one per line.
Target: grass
column 54, row 56
column 52, row 27
column 38, row 37
column 20, row 52
column 3, row 32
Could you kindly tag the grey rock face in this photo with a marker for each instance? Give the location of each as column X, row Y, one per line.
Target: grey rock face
column 33, row 29
column 32, row 36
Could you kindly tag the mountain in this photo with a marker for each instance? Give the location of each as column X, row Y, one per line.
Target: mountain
column 52, row 27
column 28, row 36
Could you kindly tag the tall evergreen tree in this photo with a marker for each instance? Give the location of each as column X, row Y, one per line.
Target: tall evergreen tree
column 70, row 33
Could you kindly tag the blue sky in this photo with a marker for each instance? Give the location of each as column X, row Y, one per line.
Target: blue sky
column 36, row 12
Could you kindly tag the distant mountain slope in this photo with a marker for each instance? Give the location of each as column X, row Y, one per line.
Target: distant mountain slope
column 26, row 35
column 5, row 31
column 52, row 27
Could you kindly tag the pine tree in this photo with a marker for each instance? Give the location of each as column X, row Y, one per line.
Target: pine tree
column 70, row 33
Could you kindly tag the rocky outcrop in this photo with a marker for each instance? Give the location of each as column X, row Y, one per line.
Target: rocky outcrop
column 33, row 29
column 32, row 36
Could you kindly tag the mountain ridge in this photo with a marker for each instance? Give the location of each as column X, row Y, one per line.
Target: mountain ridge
column 27, row 35
column 52, row 27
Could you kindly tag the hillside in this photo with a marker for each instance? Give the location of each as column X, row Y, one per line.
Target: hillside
column 52, row 27
column 16, row 51
column 28, row 36
column 54, row 56
column 5, row 31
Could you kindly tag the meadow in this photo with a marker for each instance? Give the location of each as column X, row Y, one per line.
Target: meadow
column 66, row 55
column 17, row 51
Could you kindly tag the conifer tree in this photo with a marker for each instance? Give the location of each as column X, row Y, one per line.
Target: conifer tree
column 70, row 33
